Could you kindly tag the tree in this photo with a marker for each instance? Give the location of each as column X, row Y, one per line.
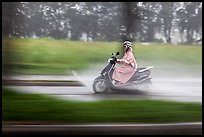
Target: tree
column 190, row 20
column 166, row 17
column 12, row 19
column 148, row 24
column 129, row 17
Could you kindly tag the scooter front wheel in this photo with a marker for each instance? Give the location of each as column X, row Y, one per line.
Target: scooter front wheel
column 100, row 86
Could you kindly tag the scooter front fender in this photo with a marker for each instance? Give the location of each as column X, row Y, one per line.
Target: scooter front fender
column 99, row 78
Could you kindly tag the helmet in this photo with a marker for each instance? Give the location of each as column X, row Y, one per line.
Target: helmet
column 127, row 43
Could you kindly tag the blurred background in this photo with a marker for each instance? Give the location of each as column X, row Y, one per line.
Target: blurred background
column 38, row 35
column 58, row 43
column 172, row 22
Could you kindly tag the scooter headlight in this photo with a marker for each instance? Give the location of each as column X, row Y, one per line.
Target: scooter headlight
column 104, row 74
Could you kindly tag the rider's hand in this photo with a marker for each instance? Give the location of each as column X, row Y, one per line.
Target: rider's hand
column 122, row 61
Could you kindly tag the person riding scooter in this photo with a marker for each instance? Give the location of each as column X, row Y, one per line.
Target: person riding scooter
column 123, row 73
column 129, row 75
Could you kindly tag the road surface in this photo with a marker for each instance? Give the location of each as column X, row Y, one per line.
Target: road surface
column 104, row 129
column 187, row 89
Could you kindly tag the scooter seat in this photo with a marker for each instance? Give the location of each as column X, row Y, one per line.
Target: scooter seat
column 137, row 76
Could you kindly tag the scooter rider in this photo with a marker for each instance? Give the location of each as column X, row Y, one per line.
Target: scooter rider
column 129, row 65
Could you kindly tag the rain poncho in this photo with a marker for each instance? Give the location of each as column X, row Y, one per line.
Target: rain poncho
column 128, row 68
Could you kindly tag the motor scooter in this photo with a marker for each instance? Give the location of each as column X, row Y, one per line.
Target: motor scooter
column 104, row 82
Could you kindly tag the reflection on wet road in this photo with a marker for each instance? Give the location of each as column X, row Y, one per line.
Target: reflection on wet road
column 180, row 89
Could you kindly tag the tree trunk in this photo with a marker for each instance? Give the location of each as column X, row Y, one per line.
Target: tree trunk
column 189, row 36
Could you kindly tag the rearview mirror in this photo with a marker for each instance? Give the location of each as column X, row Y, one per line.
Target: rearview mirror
column 118, row 53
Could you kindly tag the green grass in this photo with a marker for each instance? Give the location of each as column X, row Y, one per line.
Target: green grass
column 49, row 56
column 27, row 107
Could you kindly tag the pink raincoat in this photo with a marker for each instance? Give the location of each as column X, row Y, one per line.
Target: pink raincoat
column 128, row 68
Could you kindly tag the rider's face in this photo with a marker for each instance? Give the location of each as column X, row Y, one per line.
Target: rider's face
column 125, row 47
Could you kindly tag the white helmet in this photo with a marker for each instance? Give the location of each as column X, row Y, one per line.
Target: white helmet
column 127, row 43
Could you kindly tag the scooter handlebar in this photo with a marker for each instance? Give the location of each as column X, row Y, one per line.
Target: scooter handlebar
column 113, row 58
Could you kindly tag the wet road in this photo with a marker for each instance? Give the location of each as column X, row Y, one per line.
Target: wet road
column 187, row 89
column 105, row 129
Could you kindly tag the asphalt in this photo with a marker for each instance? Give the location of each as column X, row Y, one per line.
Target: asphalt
column 41, row 83
column 79, row 87
column 40, row 80
column 104, row 129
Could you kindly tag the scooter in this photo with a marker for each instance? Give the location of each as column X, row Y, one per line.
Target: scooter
column 104, row 82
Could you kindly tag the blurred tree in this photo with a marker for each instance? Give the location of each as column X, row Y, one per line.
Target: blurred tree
column 130, row 18
column 11, row 26
column 166, row 17
column 12, row 19
column 109, row 21
column 149, row 21
column 190, row 20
